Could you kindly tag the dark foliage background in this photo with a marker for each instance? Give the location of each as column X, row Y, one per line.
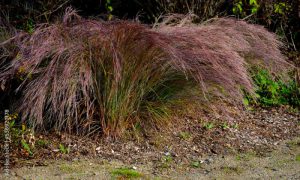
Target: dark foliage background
column 280, row 16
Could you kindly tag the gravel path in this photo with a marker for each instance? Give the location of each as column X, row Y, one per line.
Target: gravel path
column 281, row 163
column 261, row 144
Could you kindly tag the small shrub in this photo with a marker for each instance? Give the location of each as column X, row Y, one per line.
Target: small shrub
column 21, row 137
column 275, row 92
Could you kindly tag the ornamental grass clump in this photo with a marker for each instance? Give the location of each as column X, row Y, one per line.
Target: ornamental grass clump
column 87, row 76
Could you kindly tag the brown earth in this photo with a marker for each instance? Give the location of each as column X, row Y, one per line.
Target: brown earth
column 255, row 145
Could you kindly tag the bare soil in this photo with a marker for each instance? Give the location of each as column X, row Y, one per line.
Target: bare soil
column 263, row 144
column 282, row 163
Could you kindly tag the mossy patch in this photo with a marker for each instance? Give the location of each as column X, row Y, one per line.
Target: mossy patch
column 231, row 170
column 184, row 135
column 71, row 168
column 294, row 143
column 126, row 173
column 246, row 157
column 298, row 158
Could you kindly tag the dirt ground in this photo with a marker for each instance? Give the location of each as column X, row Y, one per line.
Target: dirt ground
column 261, row 144
column 281, row 163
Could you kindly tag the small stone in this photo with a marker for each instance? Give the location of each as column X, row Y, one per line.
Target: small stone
column 209, row 160
column 167, row 153
column 206, row 171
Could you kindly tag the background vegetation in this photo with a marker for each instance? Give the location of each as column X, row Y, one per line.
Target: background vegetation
column 280, row 16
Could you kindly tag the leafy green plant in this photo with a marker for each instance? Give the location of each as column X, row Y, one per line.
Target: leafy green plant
column 237, row 7
column 254, row 6
column 195, row 164
column 246, row 102
column 18, row 133
column 63, row 149
column 225, row 126
column 274, row 91
column 241, row 7
column 281, row 8
column 26, row 146
column 109, row 8
column 209, row 126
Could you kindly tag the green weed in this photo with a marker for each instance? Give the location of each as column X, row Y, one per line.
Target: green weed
column 225, row 126
column 195, row 164
column 184, row 135
column 26, row 146
column 63, row 149
column 235, row 126
column 209, row 126
column 273, row 91
column 42, row 143
column 298, row 158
